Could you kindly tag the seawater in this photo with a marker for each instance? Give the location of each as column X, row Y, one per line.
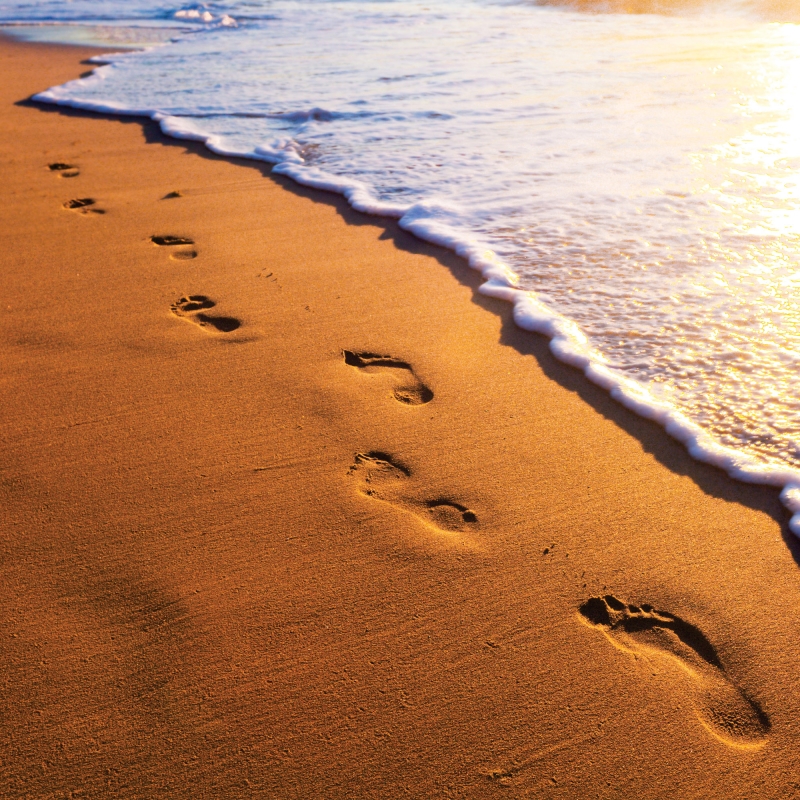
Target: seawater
column 630, row 182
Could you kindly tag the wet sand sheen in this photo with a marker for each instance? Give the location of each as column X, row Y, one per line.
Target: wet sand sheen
column 281, row 551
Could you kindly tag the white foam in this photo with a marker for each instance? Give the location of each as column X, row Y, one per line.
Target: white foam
column 202, row 14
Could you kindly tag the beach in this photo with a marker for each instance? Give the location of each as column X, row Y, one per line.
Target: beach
column 290, row 510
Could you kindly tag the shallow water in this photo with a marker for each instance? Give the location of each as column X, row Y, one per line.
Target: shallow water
column 638, row 173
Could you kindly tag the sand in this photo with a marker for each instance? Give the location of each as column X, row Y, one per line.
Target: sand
column 291, row 511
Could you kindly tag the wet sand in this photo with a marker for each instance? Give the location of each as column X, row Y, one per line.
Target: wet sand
column 290, row 511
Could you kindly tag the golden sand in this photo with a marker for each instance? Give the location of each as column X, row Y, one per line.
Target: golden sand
column 290, row 511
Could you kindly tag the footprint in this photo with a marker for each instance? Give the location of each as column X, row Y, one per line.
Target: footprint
column 722, row 707
column 64, row 170
column 409, row 389
column 382, row 478
column 192, row 307
column 82, row 204
column 180, row 251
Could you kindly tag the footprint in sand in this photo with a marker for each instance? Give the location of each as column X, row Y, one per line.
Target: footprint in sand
column 64, row 170
column 193, row 307
column 83, row 205
column 409, row 389
column 382, row 478
column 722, row 707
column 180, row 246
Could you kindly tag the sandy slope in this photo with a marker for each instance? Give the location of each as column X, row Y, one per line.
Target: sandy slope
column 239, row 561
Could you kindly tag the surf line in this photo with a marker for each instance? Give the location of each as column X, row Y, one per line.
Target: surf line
column 429, row 222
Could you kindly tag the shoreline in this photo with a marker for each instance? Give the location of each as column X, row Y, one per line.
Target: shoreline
column 234, row 542
column 566, row 340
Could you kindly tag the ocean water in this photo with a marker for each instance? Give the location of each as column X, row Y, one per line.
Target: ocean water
column 629, row 181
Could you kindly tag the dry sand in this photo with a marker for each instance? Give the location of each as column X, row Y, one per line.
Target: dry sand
column 246, row 563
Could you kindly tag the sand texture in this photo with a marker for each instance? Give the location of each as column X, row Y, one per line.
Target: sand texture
column 288, row 510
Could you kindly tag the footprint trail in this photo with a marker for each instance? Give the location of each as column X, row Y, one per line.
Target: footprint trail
column 192, row 308
column 381, row 478
column 724, row 709
column 409, row 389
